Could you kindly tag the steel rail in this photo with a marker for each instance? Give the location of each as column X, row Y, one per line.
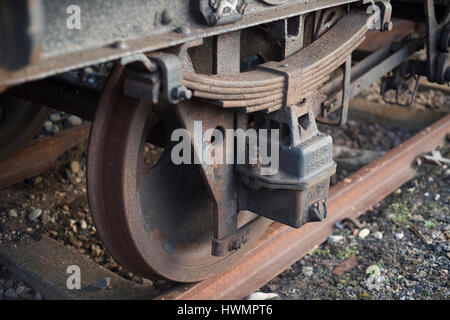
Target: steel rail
column 282, row 246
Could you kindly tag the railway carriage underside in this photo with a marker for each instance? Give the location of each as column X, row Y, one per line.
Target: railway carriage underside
column 215, row 68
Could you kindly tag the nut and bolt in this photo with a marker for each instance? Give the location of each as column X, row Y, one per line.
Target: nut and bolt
column 183, row 30
column 119, row 45
column 181, row 92
column 166, row 17
column 388, row 26
column 237, row 244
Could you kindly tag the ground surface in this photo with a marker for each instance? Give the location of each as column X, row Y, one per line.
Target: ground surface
column 406, row 255
column 409, row 260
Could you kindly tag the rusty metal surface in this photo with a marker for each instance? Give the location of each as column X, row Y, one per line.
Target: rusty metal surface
column 376, row 40
column 20, row 121
column 40, row 155
column 282, row 246
column 366, row 72
column 132, row 205
column 65, row 49
column 57, row 94
column 299, row 75
column 21, row 29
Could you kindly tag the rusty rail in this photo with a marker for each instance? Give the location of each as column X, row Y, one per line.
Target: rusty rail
column 39, row 155
column 282, row 246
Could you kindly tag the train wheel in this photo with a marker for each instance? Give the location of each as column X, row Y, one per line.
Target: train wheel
column 155, row 221
column 20, row 121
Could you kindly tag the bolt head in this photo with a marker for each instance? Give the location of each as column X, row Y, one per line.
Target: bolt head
column 181, row 92
column 183, row 30
column 119, row 45
column 166, row 17
column 388, row 26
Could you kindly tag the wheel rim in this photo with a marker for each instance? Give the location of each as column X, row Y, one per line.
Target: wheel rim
column 157, row 225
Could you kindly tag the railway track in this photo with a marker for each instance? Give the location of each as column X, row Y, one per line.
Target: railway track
column 281, row 246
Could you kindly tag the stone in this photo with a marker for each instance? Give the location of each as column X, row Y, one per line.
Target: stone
column 102, row 284
column 83, row 224
column 55, row 129
column 378, row 235
column 399, row 235
column 147, row 282
column 20, row 289
column 261, row 296
column 55, row 117
column 12, row 213
column 363, row 233
column 75, row 167
column 332, row 239
column 35, row 214
column 75, row 121
column 45, row 217
column 308, row 271
column 48, row 126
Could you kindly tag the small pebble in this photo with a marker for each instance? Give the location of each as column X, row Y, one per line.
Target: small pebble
column 335, row 239
column 399, row 236
column 48, row 126
column 55, row 117
column 12, row 213
column 20, row 289
column 378, row 235
column 261, row 296
column 363, row 233
column 75, row 167
column 307, row 271
column 35, row 214
column 102, row 284
column 147, row 282
column 55, row 129
column 437, row 197
column 75, row 121
column 83, row 224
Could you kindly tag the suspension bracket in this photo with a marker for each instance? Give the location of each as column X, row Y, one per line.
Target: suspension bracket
column 297, row 192
column 162, row 71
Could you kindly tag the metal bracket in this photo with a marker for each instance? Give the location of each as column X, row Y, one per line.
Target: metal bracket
column 220, row 12
column 234, row 241
column 384, row 22
column 346, row 96
column 399, row 82
column 438, row 35
column 162, row 70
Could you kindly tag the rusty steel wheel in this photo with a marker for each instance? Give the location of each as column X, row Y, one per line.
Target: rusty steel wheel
column 155, row 221
column 20, row 121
